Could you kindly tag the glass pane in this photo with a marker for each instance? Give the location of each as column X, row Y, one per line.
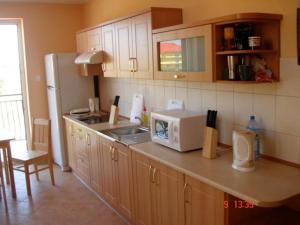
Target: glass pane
column 9, row 61
column 161, row 129
column 186, row 55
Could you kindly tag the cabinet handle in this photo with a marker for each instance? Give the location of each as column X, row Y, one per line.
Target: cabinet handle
column 157, row 177
column 111, row 153
column 153, row 175
column 115, row 155
column 88, row 139
column 71, row 131
column 185, row 193
column 103, row 67
column 130, row 63
column 134, row 65
column 150, row 171
column 176, row 76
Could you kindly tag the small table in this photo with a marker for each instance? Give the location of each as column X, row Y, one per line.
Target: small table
column 5, row 139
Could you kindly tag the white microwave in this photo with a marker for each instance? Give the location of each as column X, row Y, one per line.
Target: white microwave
column 178, row 129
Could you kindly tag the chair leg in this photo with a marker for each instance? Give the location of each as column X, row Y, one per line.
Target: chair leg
column 3, row 186
column 51, row 171
column 27, row 178
column 6, row 170
column 37, row 173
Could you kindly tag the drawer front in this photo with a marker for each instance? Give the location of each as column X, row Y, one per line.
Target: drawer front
column 83, row 168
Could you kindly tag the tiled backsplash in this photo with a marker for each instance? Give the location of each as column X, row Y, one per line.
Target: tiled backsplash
column 276, row 106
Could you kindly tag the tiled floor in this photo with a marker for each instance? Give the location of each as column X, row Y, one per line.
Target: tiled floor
column 67, row 203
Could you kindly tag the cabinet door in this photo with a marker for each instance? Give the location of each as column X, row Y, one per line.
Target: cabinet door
column 70, row 144
column 184, row 54
column 109, row 66
column 123, row 48
column 109, row 187
column 142, row 192
column 167, row 195
column 123, row 168
column 94, row 39
column 82, row 154
column 93, row 143
column 142, row 46
column 82, row 42
column 203, row 203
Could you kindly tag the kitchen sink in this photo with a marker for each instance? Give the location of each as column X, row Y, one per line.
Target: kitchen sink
column 129, row 135
column 129, row 130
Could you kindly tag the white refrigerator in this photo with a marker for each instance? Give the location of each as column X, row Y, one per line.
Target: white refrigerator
column 67, row 90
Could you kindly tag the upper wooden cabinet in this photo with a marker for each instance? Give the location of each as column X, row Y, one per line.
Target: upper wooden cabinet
column 109, row 66
column 94, row 39
column 127, row 41
column 183, row 54
column 134, row 48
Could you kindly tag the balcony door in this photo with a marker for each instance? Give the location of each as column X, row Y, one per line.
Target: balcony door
column 13, row 107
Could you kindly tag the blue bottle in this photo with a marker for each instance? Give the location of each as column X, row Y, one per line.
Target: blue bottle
column 254, row 127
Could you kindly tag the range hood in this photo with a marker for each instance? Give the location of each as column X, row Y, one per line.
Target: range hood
column 94, row 57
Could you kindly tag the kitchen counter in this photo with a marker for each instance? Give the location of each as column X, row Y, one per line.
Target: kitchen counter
column 270, row 185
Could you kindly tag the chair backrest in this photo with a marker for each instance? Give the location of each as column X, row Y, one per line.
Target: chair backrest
column 41, row 135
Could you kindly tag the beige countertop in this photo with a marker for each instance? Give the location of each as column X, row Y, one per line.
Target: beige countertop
column 270, row 185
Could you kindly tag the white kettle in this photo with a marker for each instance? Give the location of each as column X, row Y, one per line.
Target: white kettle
column 243, row 151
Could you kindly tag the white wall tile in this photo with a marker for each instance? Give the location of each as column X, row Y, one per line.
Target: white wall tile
column 243, row 88
column 243, row 108
column 225, row 106
column 194, row 85
column 208, row 86
column 224, row 87
column 265, row 88
column 287, row 147
column 225, row 132
column 264, row 111
column 289, row 78
column 268, row 145
column 182, row 84
column 276, row 106
column 169, row 94
column 288, row 115
column 194, row 100
column 181, row 94
column 209, row 100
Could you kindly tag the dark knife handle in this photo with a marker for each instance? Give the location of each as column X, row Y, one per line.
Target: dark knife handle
column 116, row 102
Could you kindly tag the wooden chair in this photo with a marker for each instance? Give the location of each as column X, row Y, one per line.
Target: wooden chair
column 2, row 185
column 39, row 154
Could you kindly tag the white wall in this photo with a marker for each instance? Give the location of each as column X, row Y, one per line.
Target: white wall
column 276, row 106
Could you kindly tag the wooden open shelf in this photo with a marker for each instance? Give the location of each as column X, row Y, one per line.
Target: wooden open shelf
column 244, row 82
column 265, row 25
column 245, row 52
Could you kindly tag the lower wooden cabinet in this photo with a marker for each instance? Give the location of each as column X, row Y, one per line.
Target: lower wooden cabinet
column 95, row 159
column 158, row 193
column 203, row 204
column 117, row 178
column 70, row 144
column 143, row 190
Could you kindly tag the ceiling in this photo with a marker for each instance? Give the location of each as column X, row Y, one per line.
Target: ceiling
column 45, row 1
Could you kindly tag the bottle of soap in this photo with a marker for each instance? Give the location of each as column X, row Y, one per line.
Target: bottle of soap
column 255, row 128
column 145, row 117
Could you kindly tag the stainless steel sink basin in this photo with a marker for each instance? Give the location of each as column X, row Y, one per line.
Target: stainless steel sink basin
column 129, row 135
column 129, row 131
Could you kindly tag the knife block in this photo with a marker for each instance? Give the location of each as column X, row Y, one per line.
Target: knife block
column 114, row 114
column 210, row 143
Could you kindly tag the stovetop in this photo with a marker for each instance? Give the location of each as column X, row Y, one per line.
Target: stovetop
column 95, row 119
